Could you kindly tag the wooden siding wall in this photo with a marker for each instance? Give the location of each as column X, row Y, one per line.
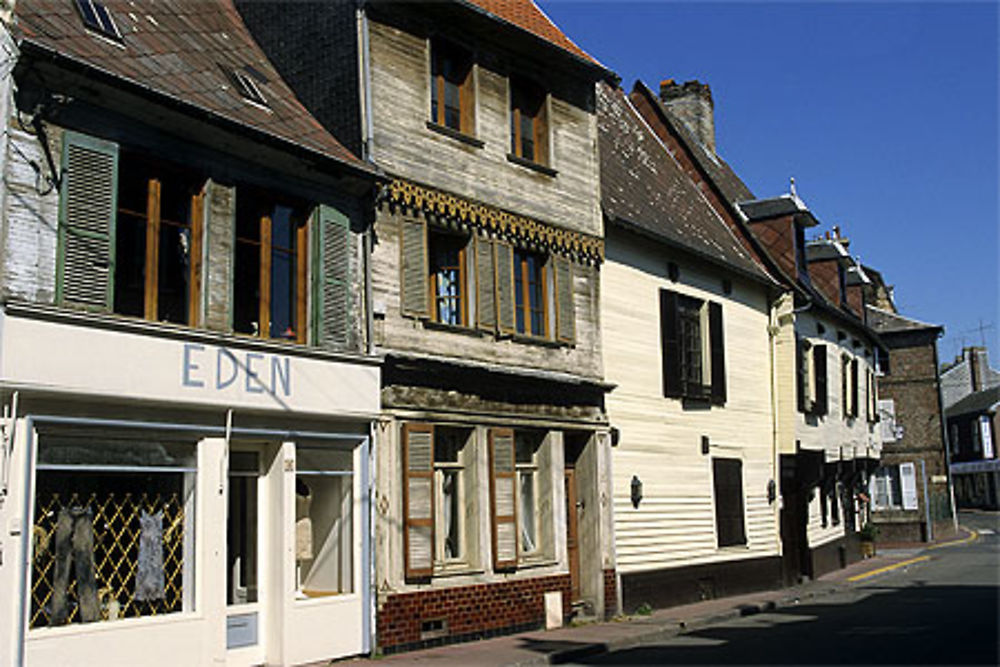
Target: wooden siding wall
column 832, row 433
column 660, row 440
column 396, row 332
column 405, row 147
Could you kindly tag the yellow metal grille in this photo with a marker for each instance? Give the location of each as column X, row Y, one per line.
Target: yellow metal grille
column 116, row 553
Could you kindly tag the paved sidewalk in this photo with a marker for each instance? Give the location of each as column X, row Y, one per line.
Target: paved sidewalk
column 566, row 644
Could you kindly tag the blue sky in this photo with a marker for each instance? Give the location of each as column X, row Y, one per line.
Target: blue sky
column 885, row 114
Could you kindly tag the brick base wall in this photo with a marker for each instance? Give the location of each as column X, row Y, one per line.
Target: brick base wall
column 610, row 594
column 470, row 612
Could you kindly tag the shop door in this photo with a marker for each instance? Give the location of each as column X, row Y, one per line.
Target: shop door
column 572, row 534
column 244, row 537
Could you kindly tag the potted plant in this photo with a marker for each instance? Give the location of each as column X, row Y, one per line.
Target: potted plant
column 868, row 533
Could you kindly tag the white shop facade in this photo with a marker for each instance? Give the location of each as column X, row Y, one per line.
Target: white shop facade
column 178, row 497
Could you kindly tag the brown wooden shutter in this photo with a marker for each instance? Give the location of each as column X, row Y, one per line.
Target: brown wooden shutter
column 196, row 254
column 822, row 402
column 503, row 498
column 565, row 311
column 541, row 128
column 505, row 286
column 854, row 387
column 727, row 475
column 413, row 289
column 716, row 338
column 418, row 500
column 152, row 282
column 88, row 206
column 670, row 356
column 486, row 305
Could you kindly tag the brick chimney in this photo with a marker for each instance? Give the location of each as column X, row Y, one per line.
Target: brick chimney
column 691, row 101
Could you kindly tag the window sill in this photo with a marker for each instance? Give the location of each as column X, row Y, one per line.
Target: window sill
column 540, row 168
column 529, row 562
column 453, row 328
column 536, row 340
column 443, row 571
column 455, row 134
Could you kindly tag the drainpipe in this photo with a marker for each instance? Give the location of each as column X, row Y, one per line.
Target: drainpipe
column 24, row 598
column 927, row 505
column 773, row 330
column 944, row 440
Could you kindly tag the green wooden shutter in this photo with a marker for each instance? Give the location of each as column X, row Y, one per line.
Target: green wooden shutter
column 486, row 305
column 717, row 347
column 333, row 305
column 822, row 402
column 413, row 290
column 418, row 500
column 503, row 500
column 670, row 349
column 505, row 286
column 89, row 201
column 565, row 312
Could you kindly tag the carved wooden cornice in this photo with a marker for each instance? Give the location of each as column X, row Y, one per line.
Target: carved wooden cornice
column 582, row 247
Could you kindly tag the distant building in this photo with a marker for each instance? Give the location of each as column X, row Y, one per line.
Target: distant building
column 968, row 373
column 975, row 468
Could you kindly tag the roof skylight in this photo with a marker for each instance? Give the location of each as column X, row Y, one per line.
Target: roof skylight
column 248, row 87
column 97, row 17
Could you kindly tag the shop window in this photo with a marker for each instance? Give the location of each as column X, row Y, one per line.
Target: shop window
column 452, row 95
column 271, row 267
column 451, row 482
column 529, row 130
column 693, row 354
column 324, row 522
column 448, row 281
column 113, row 534
column 531, row 486
column 530, row 294
column 242, row 557
column 727, row 478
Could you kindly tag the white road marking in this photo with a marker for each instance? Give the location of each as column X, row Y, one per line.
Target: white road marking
column 986, row 531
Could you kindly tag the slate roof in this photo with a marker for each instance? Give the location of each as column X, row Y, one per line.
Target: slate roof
column 178, row 49
column 885, row 322
column 731, row 186
column 643, row 187
column 979, row 402
column 526, row 15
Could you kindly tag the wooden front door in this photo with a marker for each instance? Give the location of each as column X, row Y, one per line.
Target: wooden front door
column 572, row 535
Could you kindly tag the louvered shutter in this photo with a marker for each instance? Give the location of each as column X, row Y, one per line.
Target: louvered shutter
column 505, row 286
column 670, row 356
column 333, row 311
column 418, row 500
column 854, row 387
column 800, row 374
column 821, row 405
column 413, row 267
column 717, row 346
column 503, row 498
column 486, row 305
column 89, row 201
column 565, row 312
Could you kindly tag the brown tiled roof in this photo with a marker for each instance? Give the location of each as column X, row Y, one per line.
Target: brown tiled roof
column 181, row 49
column 643, row 187
column 526, row 15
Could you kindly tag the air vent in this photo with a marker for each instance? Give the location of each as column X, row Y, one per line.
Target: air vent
column 96, row 17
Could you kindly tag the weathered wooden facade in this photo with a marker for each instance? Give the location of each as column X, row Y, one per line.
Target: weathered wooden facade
column 188, row 395
column 493, row 510
column 686, row 310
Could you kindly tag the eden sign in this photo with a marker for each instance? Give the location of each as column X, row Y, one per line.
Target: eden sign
column 219, row 369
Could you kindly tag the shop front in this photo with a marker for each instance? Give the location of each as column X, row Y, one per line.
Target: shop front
column 180, row 498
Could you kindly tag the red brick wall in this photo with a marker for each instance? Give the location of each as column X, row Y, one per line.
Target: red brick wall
column 472, row 612
column 825, row 277
column 777, row 235
column 610, row 594
column 855, row 299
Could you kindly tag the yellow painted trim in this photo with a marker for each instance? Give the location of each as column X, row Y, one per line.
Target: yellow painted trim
column 973, row 536
column 887, row 568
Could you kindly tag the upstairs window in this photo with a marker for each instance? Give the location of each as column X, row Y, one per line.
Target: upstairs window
column 97, row 18
column 529, row 131
column 448, row 277
column 271, row 267
column 452, row 100
column 811, row 387
column 692, row 347
column 530, row 315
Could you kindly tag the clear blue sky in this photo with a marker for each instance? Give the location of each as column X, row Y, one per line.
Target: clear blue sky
column 885, row 114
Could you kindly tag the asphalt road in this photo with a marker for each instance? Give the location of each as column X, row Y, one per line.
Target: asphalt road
column 945, row 610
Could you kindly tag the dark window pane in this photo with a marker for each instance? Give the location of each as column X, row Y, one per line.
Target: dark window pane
column 282, row 228
column 452, row 111
column 282, row 295
column 175, row 246
column 130, row 261
column 527, row 137
column 246, row 292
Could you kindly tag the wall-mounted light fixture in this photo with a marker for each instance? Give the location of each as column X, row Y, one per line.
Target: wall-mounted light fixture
column 616, row 436
column 704, row 444
column 772, row 491
column 636, row 491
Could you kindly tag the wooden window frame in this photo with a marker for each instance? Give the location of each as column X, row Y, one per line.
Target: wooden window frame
column 522, row 275
column 710, row 344
column 433, row 276
column 440, row 52
column 522, row 95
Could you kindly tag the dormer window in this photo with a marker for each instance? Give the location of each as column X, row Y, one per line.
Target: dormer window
column 248, row 88
column 96, row 17
column 451, row 88
column 529, row 130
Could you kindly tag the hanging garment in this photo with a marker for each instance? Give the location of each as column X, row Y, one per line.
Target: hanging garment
column 74, row 537
column 149, row 578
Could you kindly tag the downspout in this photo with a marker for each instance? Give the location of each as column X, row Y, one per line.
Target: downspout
column 773, row 330
column 944, row 441
column 26, row 534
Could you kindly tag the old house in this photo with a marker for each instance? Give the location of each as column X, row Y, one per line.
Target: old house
column 685, row 313
column 910, row 493
column 493, row 508
column 188, row 393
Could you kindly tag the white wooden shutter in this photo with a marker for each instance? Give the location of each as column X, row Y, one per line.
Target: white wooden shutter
column 908, row 483
column 413, row 290
column 486, row 306
column 418, row 500
column 565, row 312
column 85, row 269
column 505, row 286
column 503, row 500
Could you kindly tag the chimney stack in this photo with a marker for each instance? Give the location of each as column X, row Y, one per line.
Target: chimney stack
column 691, row 101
